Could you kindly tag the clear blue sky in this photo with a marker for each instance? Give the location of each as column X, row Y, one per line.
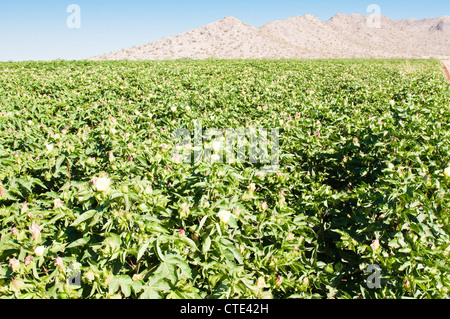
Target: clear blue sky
column 37, row 30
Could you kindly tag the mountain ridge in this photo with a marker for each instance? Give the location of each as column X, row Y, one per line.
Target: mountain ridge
column 301, row 37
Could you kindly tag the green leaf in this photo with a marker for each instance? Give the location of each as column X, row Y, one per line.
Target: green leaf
column 142, row 250
column 83, row 217
column 123, row 282
column 158, row 251
column 35, row 273
column 59, row 162
column 181, row 265
column 156, row 285
column 206, row 245
column 167, row 270
column 79, row 242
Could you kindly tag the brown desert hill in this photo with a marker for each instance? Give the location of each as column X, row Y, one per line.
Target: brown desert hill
column 228, row 38
column 342, row 36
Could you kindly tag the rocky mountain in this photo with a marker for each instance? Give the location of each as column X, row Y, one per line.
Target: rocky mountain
column 300, row 37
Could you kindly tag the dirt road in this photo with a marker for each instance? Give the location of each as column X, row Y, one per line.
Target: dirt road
column 446, row 66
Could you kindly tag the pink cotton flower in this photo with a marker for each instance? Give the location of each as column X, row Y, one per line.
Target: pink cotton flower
column 14, row 231
column 264, row 205
column 279, row 280
column 59, row 263
column 57, row 203
column 375, row 244
column 14, row 263
column 28, row 260
column 185, row 208
column 182, row 232
column 177, row 157
column 35, row 231
column 2, row 192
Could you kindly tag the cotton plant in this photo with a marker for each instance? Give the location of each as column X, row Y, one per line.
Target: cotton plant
column 92, row 177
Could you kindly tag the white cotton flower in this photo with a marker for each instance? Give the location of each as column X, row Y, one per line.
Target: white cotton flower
column 260, row 283
column 290, row 237
column 215, row 157
column 102, row 184
column 216, row 146
column 49, row 147
column 177, row 158
column 184, row 207
column 173, row 108
column 58, row 203
column 39, row 251
column 224, row 216
column 447, row 172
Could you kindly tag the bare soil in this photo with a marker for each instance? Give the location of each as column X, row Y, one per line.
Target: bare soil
column 446, row 66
